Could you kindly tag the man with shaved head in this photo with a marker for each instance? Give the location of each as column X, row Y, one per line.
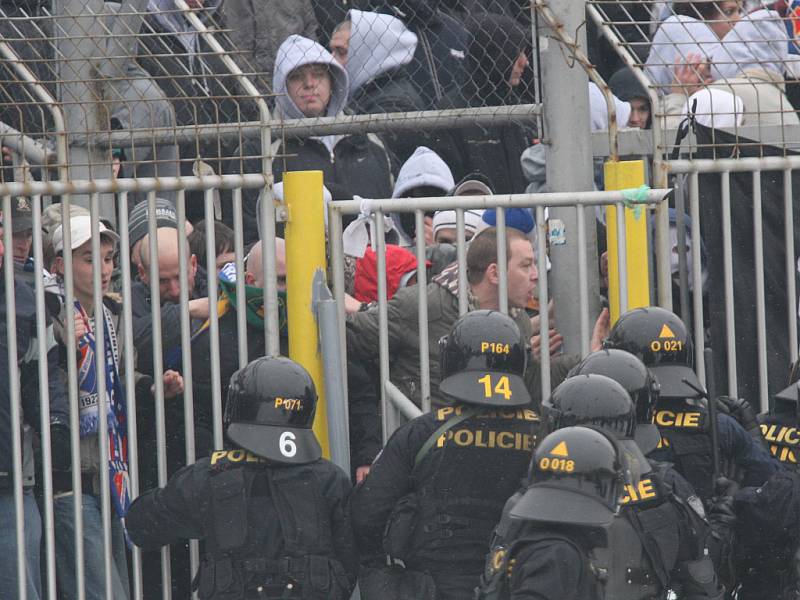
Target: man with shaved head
column 167, row 242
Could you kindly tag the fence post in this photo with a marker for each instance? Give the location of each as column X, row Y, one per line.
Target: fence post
column 305, row 261
column 620, row 175
column 565, row 104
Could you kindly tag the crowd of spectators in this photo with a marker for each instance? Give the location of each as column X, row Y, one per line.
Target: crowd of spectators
column 318, row 59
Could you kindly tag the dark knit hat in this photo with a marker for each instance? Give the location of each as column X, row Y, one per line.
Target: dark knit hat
column 137, row 221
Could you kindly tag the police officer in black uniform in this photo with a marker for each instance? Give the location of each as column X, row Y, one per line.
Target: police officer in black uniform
column 270, row 510
column 768, row 522
column 659, row 339
column 664, row 545
column 436, row 491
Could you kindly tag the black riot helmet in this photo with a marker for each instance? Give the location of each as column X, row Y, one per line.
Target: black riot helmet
column 659, row 339
column 630, row 372
column 483, row 361
column 270, row 410
column 590, row 400
column 577, row 478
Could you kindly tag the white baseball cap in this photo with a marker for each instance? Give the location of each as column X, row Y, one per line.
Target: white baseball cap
column 80, row 229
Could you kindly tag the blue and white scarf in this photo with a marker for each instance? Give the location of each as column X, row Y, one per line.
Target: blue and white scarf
column 117, row 420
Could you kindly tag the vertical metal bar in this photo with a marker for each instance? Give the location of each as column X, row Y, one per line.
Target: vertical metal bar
column 583, row 287
column 130, row 380
column 325, row 309
column 791, row 265
column 337, row 269
column 267, row 240
column 271, row 324
column 388, row 411
column 461, row 250
column 502, row 262
column 544, row 314
column 42, row 336
column 761, row 320
column 186, row 357
column 158, row 380
column 102, row 400
column 74, row 410
column 727, row 259
column 241, row 299
column 422, row 295
column 697, row 278
column 683, row 271
column 622, row 258
column 213, row 317
column 14, row 398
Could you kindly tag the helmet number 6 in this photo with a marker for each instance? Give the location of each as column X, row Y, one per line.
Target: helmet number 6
column 501, row 388
column 286, row 444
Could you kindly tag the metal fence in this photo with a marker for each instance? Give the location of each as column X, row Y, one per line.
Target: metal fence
column 395, row 405
column 106, row 106
column 733, row 67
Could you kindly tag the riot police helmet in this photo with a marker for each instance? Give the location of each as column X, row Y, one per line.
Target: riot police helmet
column 631, row 373
column 270, row 410
column 577, row 478
column 483, row 361
column 660, row 340
column 590, row 400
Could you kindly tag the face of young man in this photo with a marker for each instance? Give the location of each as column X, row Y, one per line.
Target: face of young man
column 522, row 273
column 640, row 113
column 340, row 45
column 309, row 87
column 82, row 266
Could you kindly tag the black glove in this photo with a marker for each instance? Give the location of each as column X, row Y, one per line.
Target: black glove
column 59, row 447
column 725, row 487
column 721, row 513
column 741, row 410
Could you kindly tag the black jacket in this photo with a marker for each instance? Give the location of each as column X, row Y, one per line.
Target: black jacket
column 359, row 165
column 170, row 324
column 496, row 150
column 256, row 525
column 393, row 91
column 438, row 509
column 438, row 63
column 30, row 407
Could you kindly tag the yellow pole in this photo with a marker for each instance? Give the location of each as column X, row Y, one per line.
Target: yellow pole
column 621, row 175
column 305, row 257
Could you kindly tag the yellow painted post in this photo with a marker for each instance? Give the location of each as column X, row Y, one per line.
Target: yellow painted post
column 621, row 175
column 305, row 258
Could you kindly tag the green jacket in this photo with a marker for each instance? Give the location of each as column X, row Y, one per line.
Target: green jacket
column 403, row 310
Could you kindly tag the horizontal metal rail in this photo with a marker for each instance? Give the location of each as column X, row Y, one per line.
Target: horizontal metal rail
column 734, row 165
column 145, row 184
column 406, row 407
column 430, row 119
column 352, row 207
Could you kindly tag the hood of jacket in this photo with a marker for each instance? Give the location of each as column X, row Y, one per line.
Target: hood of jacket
column 676, row 37
column 297, row 51
column 757, row 41
column 378, row 43
column 171, row 19
column 598, row 109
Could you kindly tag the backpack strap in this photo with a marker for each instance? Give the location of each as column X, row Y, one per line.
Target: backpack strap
column 444, row 428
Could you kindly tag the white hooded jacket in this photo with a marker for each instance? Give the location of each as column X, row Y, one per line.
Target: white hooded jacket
column 378, row 43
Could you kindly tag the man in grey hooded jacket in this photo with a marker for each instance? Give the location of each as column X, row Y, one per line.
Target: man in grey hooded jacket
column 309, row 83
